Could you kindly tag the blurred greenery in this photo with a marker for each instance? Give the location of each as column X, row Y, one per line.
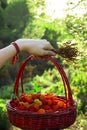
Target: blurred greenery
column 4, row 122
column 27, row 18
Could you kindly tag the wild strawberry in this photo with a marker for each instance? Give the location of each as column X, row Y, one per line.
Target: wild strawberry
column 49, row 102
column 44, row 101
column 55, row 101
column 60, row 104
column 21, row 107
column 14, row 102
column 49, row 110
column 41, row 110
column 29, row 96
column 29, row 100
column 41, row 97
column 55, row 107
column 36, row 106
column 46, row 107
column 31, row 108
column 37, row 101
column 34, row 96
column 23, row 98
column 21, row 103
column 68, row 104
column 26, row 105
column 64, row 106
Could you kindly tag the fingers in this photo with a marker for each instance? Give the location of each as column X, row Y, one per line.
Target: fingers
column 47, row 49
column 48, row 52
column 48, row 46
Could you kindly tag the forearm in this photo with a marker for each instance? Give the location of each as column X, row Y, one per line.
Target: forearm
column 10, row 51
column 6, row 53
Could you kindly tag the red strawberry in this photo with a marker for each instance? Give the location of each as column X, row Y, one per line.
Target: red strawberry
column 55, row 101
column 42, row 97
column 26, row 105
column 34, row 96
column 37, row 101
column 49, row 110
column 31, row 108
column 49, row 102
column 21, row 107
column 36, row 106
column 55, row 107
column 60, row 104
column 46, row 107
column 41, row 111
column 14, row 102
column 29, row 100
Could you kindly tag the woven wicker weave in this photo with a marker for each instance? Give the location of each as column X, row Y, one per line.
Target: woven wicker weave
column 52, row 120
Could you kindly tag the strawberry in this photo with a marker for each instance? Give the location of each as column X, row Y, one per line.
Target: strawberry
column 34, row 96
column 37, row 101
column 49, row 102
column 31, row 108
column 21, row 107
column 41, row 97
column 64, row 106
column 29, row 99
column 41, row 110
column 26, row 105
column 46, row 107
column 44, row 101
column 23, row 98
column 60, row 104
column 36, row 106
column 55, row 101
column 49, row 110
column 55, row 107
column 14, row 103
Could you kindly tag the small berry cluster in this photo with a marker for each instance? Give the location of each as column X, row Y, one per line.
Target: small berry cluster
column 39, row 103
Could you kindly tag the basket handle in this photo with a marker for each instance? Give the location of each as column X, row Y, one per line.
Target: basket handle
column 67, row 89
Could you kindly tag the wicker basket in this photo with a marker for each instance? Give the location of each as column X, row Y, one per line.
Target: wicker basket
column 51, row 120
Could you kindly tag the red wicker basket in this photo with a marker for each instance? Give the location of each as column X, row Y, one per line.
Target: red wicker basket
column 51, row 120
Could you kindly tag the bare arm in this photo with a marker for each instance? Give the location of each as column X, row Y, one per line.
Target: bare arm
column 36, row 47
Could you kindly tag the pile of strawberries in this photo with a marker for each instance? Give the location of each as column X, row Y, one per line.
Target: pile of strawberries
column 39, row 103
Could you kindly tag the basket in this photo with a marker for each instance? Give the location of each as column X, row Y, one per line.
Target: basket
column 44, row 121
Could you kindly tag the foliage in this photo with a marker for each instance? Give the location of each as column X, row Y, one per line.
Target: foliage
column 76, row 24
column 55, row 32
column 6, row 92
column 77, row 27
column 1, row 18
column 16, row 16
column 34, row 29
column 79, row 84
column 80, row 123
column 3, row 3
column 4, row 123
column 50, row 82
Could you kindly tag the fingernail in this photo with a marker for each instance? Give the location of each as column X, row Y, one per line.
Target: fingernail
column 53, row 53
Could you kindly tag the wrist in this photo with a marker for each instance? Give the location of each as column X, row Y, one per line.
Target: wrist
column 23, row 44
column 20, row 44
column 15, row 57
column 16, row 47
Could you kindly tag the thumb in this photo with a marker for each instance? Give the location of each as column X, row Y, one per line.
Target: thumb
column 47, row 52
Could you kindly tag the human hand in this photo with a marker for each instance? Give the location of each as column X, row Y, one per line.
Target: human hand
column 36, row 47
